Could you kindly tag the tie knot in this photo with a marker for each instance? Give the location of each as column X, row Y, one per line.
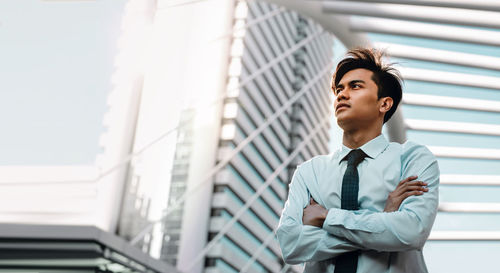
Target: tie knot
column 355, row 157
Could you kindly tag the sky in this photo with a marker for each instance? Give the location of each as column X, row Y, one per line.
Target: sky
column 56, row 62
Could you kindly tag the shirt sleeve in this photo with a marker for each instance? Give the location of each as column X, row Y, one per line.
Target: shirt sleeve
column 405, row 229
column 303, row 243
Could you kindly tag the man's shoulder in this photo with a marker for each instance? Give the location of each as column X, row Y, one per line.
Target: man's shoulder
column 415, row 158
column 317, row 162
column 411, row 149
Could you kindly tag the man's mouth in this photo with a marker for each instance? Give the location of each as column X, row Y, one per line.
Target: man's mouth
column 341, row 105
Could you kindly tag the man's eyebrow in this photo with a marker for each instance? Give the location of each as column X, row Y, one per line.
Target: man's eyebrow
column 350, row 83
column 356, row 81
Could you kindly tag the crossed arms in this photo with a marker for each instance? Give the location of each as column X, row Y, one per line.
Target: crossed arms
column 344, row 231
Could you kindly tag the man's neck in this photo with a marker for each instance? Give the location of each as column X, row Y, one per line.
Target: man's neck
column 357, row 138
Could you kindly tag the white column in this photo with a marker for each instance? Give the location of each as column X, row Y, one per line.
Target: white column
column 196, row 64
column 120, row 120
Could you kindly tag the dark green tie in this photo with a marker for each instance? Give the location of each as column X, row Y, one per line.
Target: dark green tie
column 348, row 262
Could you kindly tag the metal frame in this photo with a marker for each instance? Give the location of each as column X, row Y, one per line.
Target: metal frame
column 334, row 24
column 440, row 56
column 462, row 152
column 442, row 15
column 464, row 236
column 451, row 102
column 470, row 179
column 453, row 127
column 470, row 207
column 488, row 5
column 425, row 30
column 452, row 78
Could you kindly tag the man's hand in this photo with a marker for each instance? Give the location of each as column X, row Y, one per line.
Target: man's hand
column 314, row 214
column 405, row 188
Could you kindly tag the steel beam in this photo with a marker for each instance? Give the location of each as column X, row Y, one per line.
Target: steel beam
column 439, row 15
column 426, row 30
column 467, row 153
column 335, row 24
column 452, row 78
column 452, row 102
column 470, row 180
column 464, row 236
column 488, row 5
column 469, row 207
column 440, row 56
column 453, row 127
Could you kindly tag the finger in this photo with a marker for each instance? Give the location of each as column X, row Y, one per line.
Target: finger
column 313, row 202
column 401, row 188
column 412, row 188
column 411, row 193
column 413, row 177
column 416, row 183
column 398, row 191
column 410, row 181
column 413, row 183
column 417, row 188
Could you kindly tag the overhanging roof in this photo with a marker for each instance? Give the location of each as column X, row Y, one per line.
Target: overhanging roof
column 51, row 248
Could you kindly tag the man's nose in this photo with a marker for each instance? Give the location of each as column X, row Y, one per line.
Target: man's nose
column 342, row 95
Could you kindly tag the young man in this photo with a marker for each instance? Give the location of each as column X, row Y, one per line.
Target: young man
column 370, row 206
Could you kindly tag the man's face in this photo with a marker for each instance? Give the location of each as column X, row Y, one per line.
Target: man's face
column 356, row 99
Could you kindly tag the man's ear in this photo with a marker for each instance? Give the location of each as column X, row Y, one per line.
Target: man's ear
column 385, row 104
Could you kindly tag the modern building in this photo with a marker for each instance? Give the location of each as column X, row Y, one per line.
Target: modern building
column 451, row 85
column 204, row 192
column 284, row 57
column 172, row 227
column 275, row 114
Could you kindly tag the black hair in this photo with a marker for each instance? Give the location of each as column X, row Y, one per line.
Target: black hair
column 386, row 77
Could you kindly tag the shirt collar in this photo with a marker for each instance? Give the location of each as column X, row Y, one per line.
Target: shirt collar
column 372, row 148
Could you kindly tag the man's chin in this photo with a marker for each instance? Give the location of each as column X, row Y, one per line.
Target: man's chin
column 346, row 122
column 342, row 121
